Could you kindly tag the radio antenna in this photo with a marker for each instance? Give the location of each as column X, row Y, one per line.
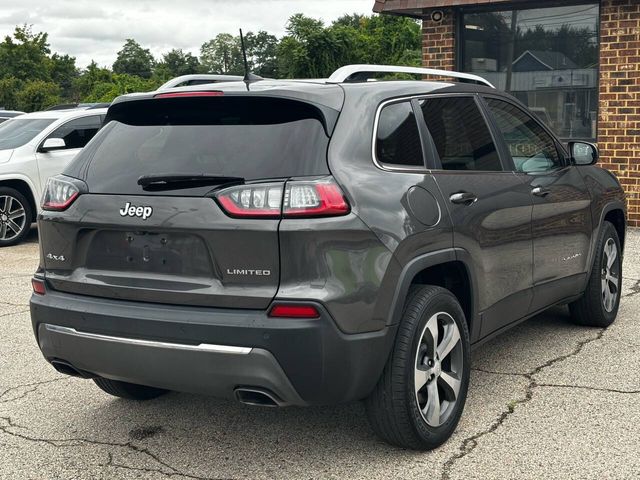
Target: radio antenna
column 249, row 77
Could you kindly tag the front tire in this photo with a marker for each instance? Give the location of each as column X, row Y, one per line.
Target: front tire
column 598, row 307
column 130, row 391
column 420, row 396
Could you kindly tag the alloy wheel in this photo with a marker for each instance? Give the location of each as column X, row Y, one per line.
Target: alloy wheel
column 610, row 275
column 438, row 369
column 13, row 217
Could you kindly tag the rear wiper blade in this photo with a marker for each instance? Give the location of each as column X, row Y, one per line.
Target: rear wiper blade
column 179, row 181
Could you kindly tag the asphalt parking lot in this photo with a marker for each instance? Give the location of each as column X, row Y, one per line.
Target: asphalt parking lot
column 547, row 400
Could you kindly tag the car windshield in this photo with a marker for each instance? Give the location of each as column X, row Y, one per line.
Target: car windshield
column 17, row 132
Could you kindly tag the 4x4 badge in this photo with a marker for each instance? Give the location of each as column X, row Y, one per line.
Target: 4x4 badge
column 133, row 211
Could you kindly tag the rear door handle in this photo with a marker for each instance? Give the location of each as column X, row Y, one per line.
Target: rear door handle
column 463, row 198
column 540, row 192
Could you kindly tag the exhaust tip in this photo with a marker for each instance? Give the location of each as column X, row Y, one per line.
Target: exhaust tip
column 67, row 369
column 257, row 397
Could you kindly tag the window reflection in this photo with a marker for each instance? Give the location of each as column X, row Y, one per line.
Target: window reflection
column 546, row 57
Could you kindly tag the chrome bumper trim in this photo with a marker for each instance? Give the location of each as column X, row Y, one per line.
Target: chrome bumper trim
column 203, row 347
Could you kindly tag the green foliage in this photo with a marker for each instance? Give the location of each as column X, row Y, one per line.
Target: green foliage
column 32, row 78
column 134, row 60
column 9, row 87
column 312, row 50
column 222, row 55
column 120, row 84
column 24, row 56
column 262, row 53
column 176, row 63
column 37, row 95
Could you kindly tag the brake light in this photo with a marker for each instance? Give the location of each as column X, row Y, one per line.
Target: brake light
column 320, row 198
column 60, row 193
column 314, row 199
column 38, row 286
column 189, row 94
column 294, row 311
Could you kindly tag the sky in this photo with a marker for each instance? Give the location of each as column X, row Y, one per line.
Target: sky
column 96, row 30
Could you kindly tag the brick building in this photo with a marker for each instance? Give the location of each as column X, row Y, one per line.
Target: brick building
column 576, row 64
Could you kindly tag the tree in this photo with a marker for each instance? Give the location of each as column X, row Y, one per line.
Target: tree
column 9, row 87
column 24, row 56
column 134, row 60
column 176, row 63
column 37, row 95
column 262, row 53
column 308, row 50
column 222, row 55
column 85, row 84
column 120, row 84
column 63, row 71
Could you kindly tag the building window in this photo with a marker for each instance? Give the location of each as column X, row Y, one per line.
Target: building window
column 545, row 57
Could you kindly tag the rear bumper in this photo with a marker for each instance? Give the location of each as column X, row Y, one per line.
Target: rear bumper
column 210, row 351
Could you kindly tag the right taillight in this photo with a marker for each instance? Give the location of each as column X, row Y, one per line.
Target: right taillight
column 60, row 193
column 318, row 198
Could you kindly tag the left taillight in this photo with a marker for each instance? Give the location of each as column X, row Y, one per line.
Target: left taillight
column 61, row 191
column 317, row 198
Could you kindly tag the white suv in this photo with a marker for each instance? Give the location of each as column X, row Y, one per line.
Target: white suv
column 34, row 147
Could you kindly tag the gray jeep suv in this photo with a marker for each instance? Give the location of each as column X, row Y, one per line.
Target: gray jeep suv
column 316, row 242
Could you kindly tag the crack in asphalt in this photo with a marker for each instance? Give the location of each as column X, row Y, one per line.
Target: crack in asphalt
column 23, row 304
column 13, row 313
column 111, row 463
column 35, row 386
column 9, row 427
column 587, row 387
column 470, row 443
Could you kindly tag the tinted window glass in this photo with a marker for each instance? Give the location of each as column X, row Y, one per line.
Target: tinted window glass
column 460, row 134
column 77, row 133
column 249, row 138
column 530, row 146
column 398, row 139
column 18, row 132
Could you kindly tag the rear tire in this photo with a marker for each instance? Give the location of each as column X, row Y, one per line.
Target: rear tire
column 431, row 352
column 598, row 307
column 130, row 391
column 16, row 216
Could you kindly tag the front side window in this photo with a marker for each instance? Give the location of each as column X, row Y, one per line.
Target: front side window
column 398, row 139
column 77, row 133
column 460, row 134
column 530, row 146
column 546, row 57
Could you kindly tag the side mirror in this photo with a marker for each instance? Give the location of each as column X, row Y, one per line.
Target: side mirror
column 51, row 144
column 584, row 153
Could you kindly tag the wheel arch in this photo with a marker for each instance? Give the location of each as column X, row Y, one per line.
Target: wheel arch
column 615, row 215
column 25, row 189
column 449, row 269
column 613, row 212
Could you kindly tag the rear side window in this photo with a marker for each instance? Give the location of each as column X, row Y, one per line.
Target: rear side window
column 251, row 138
column 398, row 139
column 461, row 136
column 77, row 133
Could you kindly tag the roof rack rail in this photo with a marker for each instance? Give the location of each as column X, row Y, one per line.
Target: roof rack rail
column 359, row 73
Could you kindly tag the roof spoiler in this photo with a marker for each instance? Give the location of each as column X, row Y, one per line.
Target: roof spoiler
column 361, row 73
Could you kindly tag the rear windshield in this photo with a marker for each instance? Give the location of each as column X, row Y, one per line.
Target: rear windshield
column 251, row 138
